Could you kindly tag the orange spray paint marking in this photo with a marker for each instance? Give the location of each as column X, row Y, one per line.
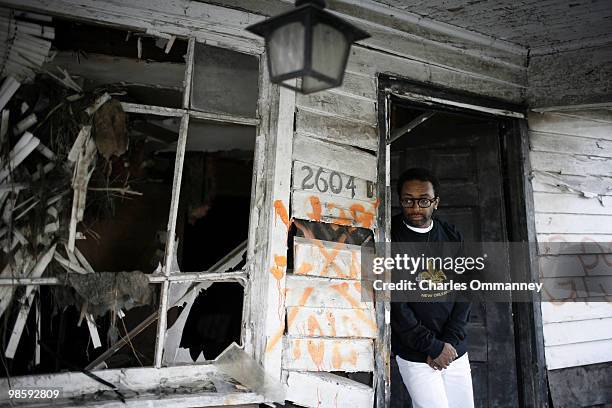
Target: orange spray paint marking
column 361, row 216
column 342, row 218
column 354, row 269
column 376, row 203
column 348, row 322
column 330, row 257
column 281, row 212
column 338, row 360
column 294, row 311
column 315, row 203
column 332, row 323
column 343, row 290
column 304, row 268
column 313, row 326
column 290, row 318
column 278, row 271
column 316, row 349
column 297, row 350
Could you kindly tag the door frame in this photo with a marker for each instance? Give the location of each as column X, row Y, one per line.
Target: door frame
column 531, row 371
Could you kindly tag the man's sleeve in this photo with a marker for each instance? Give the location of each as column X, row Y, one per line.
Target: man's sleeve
column 406, row 326
column 455, row 330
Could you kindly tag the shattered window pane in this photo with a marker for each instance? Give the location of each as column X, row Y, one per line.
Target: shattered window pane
column 129, row 199
column 209, row 320
column 134, row 65
column 224, row 81
column 93, row 215
column 215, row 196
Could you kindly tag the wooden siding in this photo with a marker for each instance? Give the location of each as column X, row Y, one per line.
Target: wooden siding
column 571, row 158
column 336, row 134
column 326, row 390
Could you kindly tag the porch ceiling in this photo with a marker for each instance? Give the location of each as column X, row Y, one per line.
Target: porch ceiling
column 541, row 25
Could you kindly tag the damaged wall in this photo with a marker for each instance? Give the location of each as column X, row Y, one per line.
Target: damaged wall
column 325, row 173
column 570, row 153
column 323, row 169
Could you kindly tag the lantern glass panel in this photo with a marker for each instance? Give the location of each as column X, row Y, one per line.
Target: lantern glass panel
column 286, row 49
column 329, row 48
column 311, row 84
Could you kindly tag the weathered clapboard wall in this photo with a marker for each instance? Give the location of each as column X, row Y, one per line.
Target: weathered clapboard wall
column 323, row 169
column 329, row 326
column 571, row 157
column 334, row 174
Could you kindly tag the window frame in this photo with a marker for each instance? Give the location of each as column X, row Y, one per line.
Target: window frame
column 267, row 122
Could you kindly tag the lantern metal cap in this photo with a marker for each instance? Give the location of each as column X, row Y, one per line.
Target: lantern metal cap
column 316, row 3
column 316, row 9
column 298, row 49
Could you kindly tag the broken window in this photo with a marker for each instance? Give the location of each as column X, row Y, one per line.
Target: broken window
column 224, row 81
column 133, row 66
column 142, row 202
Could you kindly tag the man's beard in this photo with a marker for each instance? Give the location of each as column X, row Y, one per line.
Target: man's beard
column 418, row 221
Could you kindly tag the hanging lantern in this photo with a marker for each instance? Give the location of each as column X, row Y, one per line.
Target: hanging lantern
column 307, row 43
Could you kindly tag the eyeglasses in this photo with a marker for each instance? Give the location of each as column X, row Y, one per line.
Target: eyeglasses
column 422, row 202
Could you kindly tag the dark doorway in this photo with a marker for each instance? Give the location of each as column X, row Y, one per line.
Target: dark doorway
column 463, row 150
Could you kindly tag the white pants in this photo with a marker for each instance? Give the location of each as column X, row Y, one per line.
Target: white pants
column 429, row 388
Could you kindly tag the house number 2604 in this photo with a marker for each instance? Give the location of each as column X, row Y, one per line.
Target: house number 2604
column 324, row 181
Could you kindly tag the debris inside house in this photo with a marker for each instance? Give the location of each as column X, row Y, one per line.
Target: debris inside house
column 88, row 178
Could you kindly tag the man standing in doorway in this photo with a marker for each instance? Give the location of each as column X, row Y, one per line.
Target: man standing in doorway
column 429, row 338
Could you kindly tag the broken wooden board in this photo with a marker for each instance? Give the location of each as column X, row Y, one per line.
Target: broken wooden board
column 106, row 69
column 75, row 150
column 80, row 181
column 22, row 317
column 197, row 385
column 345, row 159
column 587, row 186
column 313, row 354
column 334, row 210
column 573, row 164
column 326, row 390
column 26, row 145
column 7, row 90
column 322, row 292
column 313, row 257
column 572, row 203
column 316, row 179
column 93, row 330
column 329, row 322
column 550, row 142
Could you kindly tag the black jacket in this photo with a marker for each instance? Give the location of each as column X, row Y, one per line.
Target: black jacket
column 419, row 329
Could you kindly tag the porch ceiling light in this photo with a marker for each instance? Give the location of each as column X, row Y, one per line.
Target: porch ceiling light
column 307, row 43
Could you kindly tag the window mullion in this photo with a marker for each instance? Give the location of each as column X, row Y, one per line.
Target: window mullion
column 188, row 73
column 170, row 238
